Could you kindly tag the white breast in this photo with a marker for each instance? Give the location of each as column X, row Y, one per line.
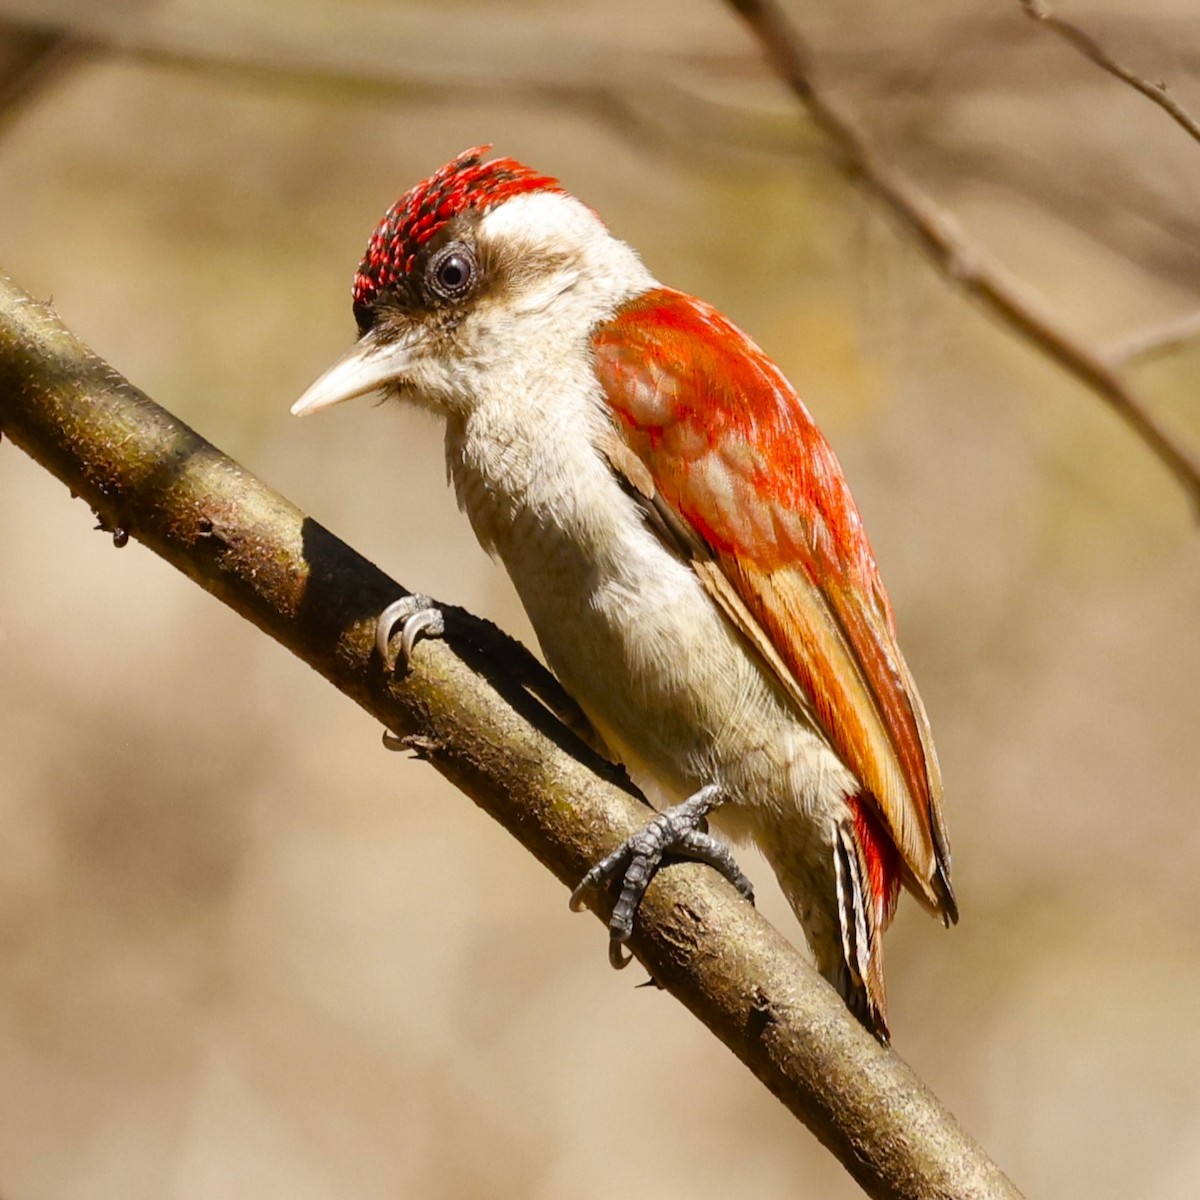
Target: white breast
column 624, row 623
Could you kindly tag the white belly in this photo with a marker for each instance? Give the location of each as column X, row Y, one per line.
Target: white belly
column 632, row 635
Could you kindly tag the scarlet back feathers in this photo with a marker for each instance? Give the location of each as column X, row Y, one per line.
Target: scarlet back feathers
column 735, row 453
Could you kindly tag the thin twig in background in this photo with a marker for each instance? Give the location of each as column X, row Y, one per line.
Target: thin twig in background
column 1156, row 341
column 34, row 61
column 151, row 478
column 419, row 58
column 960, row 257
column 1089, row 47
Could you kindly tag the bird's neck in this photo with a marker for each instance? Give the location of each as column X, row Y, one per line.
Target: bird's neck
column 524, row 464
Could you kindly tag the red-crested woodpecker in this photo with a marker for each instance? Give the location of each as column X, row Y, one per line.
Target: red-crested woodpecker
column 683, row 541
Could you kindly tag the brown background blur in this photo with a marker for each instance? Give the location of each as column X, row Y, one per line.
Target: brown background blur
column 245, row 952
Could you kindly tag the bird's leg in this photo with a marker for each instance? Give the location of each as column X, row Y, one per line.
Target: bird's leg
column 417, row 616
column 679, row 830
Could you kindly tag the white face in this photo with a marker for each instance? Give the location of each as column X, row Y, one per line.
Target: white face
column 543, row 272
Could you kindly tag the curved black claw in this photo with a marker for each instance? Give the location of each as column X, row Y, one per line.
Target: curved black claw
column 679, row 830
column 418, row 616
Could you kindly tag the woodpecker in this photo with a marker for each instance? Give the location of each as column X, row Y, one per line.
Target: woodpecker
column 683, row 540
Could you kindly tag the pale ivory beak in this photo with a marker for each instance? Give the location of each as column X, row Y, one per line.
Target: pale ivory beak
column 366, row 367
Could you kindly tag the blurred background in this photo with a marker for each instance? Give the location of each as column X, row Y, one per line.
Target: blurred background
column 243, row 951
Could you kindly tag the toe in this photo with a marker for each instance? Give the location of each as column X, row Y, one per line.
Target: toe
column 418, row 616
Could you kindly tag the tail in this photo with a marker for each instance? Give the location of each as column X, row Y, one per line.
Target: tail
column 867, row 869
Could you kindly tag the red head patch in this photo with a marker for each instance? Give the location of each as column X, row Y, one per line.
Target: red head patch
column 464, row 184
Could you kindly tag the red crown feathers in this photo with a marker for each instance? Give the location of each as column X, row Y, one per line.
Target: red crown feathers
column 464, row 184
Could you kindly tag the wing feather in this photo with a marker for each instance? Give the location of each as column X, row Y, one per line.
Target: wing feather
column 713, row 436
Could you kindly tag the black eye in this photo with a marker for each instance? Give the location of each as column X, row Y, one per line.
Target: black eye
column 452, row 271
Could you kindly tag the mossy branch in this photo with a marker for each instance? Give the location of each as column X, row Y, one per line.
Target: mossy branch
column 466, row 708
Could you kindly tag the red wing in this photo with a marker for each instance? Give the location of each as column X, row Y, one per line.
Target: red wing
column 733, row 452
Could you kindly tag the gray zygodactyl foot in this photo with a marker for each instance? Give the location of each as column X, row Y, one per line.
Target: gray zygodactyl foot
column 417, row 616
column 678, row 830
